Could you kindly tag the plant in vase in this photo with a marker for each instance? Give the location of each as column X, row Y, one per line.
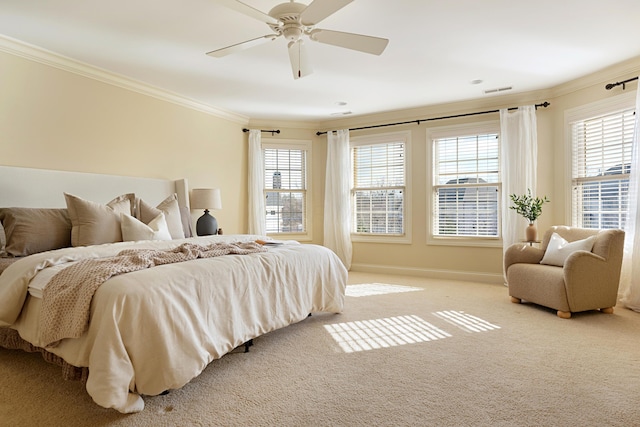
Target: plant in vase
column 531, row 208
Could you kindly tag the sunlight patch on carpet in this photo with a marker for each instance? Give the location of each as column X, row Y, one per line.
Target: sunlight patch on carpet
column 374, row 334
column 465, row 321
column 368, row 289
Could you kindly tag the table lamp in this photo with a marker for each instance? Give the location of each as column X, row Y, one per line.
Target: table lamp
column 206, row 198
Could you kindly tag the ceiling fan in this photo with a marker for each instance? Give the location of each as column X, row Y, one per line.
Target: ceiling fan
column 294, row 20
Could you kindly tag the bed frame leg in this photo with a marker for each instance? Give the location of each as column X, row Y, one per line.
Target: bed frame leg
column 247, row 345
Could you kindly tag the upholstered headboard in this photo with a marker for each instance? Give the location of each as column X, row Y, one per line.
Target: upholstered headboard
column 35, row 216
column 40, row 188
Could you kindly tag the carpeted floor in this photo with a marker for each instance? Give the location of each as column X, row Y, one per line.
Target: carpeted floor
column 436, row 354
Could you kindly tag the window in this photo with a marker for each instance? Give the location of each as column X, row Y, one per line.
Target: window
column 601, row 161
column 286, row 185
column 466, row 182
column 378, row 191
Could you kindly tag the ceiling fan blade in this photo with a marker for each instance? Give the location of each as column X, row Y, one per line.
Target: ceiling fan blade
column 367, row 44
column 299, row 59
column 218, row 53
column 245, row 9
column 320, row 9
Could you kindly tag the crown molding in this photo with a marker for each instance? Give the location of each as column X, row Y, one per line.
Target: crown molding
column 620, row 71
column 36, row 54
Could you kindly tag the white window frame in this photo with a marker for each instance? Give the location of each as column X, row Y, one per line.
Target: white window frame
column 387, row 138
column 476, row 128
column 304, row 145
column 611, row 105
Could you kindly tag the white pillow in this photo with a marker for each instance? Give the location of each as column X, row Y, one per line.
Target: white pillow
column 559, row 249
column 133, row 229
column 169, row 206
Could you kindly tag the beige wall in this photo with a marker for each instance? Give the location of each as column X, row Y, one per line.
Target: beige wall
column 55, row 119
column 460, row 262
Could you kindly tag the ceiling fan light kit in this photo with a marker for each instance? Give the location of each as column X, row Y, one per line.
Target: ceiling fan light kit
column 293, row 21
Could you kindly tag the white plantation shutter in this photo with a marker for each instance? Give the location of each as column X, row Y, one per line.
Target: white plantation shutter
column 379, row 188
column 466, row 185
column 600, row 171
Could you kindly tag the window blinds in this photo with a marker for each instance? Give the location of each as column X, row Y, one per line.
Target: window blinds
column 285, row 190
column 600, row 170
column 466, row 189
column 379, row 186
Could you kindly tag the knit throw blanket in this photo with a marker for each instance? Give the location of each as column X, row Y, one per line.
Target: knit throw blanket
column 66, row 299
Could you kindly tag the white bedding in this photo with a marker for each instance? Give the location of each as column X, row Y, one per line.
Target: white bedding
column 156, row 329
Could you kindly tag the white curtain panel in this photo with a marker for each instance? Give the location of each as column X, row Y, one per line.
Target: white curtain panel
column 337, row 206
column 257, row 220
column 519, row 154
column 630, row 277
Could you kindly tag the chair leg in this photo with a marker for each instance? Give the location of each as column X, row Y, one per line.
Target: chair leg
column 564, row 314
column 608, row 310
column 515, row 300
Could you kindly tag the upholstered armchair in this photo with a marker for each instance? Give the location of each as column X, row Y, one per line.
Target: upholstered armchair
column 575, row 269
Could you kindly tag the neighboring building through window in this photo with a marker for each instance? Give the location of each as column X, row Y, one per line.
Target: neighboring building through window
column 601, row 164
column 379, row 184
column 465, row 181
column 286, row 168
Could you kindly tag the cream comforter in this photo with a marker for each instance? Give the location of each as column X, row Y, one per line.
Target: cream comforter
column 156, row 329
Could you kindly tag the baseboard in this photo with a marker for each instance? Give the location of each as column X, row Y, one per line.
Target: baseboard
column 466, row 276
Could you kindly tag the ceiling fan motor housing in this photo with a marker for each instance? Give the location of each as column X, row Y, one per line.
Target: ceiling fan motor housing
column 289, row 15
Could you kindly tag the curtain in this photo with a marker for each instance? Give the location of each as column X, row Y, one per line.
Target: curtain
column 257, row 220
column 337, row 206
column 630, row 276
column 518, row 156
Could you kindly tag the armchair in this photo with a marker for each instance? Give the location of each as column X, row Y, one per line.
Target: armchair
column 567, row 280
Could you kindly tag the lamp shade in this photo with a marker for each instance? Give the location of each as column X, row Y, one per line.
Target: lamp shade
column 206, row 198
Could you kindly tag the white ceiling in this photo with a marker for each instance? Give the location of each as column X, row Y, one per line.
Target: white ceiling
column 436, row 49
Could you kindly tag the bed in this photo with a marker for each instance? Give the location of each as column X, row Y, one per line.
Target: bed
column 152, row 328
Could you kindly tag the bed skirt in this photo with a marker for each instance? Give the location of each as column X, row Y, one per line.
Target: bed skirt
column 10, row 339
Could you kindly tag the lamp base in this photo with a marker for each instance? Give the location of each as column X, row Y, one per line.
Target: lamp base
column 206, row 225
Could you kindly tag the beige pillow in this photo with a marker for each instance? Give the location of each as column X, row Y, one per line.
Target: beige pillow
column 134, row 229
column 31, row 230
column 3, row 240
column 169, row 206
column 93, row 223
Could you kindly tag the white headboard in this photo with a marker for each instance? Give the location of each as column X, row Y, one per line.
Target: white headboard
column 41, row 188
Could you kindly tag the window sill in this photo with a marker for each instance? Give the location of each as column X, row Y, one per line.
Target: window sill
column 482, row 242
column 391, row 238
column 284, row 236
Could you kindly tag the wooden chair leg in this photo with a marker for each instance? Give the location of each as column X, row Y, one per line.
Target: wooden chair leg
column 564, row 314
column 515, row 300
column 608, row 310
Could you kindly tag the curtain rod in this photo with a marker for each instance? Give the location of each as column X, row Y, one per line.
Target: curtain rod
column 544, row 104
column 623, row 83
column 245, row 130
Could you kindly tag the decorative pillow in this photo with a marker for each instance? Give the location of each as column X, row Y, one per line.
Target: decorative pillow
column 3, row 240
column 169, row 206
column 185, row 215
column 558, row 249
column 94, row 223
column 134, row 229
column 31, row 230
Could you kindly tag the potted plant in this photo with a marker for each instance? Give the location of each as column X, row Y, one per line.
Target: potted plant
column 529, row 207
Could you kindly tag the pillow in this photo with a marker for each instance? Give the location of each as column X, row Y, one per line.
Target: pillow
column 169, row 206
column 185, row 215
column 93, row 223
column 31, row 230
column 558, row 249
column 134, row 229
column 3, row 240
